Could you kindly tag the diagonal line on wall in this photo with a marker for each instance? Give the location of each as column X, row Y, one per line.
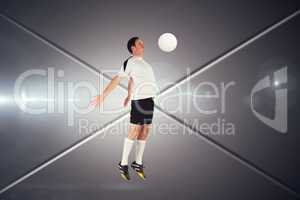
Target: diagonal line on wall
column 180, row 82
column 230, row 52
column 63, row 153
column 232, row 154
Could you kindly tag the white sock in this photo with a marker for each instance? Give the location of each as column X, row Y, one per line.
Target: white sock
column 140, row 147
column 128, row 143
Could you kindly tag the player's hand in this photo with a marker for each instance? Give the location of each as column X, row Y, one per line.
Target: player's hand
column 97, row 100
column 127, row 99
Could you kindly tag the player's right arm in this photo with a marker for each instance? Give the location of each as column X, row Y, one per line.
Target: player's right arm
column 124, row 72
column 97, row 100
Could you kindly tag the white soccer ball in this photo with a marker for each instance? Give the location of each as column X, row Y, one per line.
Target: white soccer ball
column 167, row 42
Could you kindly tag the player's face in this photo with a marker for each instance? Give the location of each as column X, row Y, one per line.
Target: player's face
column 138, row 48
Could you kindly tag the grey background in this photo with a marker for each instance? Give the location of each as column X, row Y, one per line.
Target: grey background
column 179, row 164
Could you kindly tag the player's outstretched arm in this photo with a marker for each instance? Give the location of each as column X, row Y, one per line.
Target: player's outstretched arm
column 97, row 100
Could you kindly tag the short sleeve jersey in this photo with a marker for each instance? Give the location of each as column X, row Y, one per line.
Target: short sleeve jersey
column 141, row 72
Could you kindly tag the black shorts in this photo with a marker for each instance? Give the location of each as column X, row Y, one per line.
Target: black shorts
column 142, row 111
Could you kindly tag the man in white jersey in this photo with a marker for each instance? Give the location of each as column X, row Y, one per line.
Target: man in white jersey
column 142, row 89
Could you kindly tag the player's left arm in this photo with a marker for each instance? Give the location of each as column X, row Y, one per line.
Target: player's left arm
column 130, row 85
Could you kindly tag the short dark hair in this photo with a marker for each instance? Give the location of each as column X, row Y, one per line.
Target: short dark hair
column 131, row 42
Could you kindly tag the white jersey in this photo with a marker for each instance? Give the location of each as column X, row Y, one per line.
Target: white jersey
column 141, row 72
